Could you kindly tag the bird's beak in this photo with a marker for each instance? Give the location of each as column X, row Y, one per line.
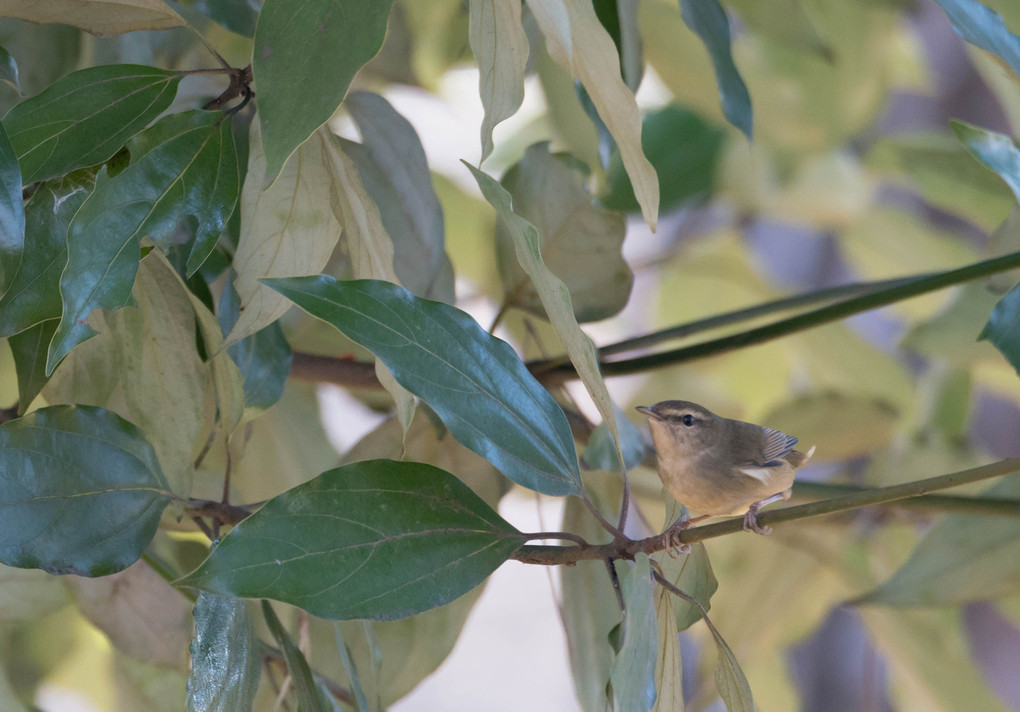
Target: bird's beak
column 648, row 410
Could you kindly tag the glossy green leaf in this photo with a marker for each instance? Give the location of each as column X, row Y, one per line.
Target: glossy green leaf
column 475, row 382
column 580, row 242
column 29, row 350
column 184, row 165
column 633, row 674
column 225, row 660
column 394, row 171
column 1003, row 327
column 34, row 295
column 309, row 697
column 963, row 558
column 9, row 70
column 378, row 539
column 708, row 20
column 80, row 491
column 983, row 28
column 684, row 150
column 84, row 118
column 12, row 213
column 262, row 358
column 995, row 150
column 305, row 56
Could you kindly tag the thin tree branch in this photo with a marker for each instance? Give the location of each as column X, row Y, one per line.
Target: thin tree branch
column 959, row 504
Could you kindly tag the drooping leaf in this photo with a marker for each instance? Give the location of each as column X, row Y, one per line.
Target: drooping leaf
column 9, row 70
column 378, row 539
column 555, row 299
column 668, row 663
column 184, row 165
column 34, row 295
column 84, row 118
column 684, row 150
column 80, row 491
column 309, row 697
column 708, row 20
column 474, row 381
column 691, row 573
column 963, row 558
column 579, row 44
column 225, row 661
column 1003, row 327
column 29, row 350
column 100, row 17
column 360, row 699
column 983, row 28
column 262, row 358
column 393, row 169
column 305, row 56
column 287, row 229
column 580, row 242
column 729, row 678
column 995, row 150
column 500, row 47
column 12, row 214
column 163, row 377
column 633, row 674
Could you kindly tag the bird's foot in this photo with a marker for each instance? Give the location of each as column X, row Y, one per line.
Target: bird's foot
column 751, row 522
column 673, row 544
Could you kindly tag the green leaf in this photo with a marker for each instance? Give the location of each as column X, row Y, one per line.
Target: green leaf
column 225, row 660
column 995, row 150
column 668, row 662
column 351, row 669
column 80, row 491
column 184, row 165
column 34, row 295
column 729, row 678
column 309, row 697
column 305, row 56
column 29, row 350
column 708, row 20
column 262, row 358
column 84, row 118
column 237, row 16
column 9, row 70
column 633, row 674
column 691, row 573
column 12, row 214
column 963, row 558
column 684, row 150
column 983, row 28
column 394, row 171
column 580, row 242
column 378, row 539
column 1003, row 327
column 600, row 451
column 474, row 381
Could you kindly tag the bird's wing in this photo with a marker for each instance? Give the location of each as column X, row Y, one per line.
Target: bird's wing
column 777, row 444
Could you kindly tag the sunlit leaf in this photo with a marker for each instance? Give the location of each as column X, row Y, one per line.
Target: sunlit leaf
column 80, row 490
column 378, row 539
column 286, row 230
column 34, row 295
column 84, row 118
column 309, row 697
column 100, row 17
column 668, row 663
column 181, row 167
column 963, row 558
column 555, row 298
column 394, row 171
column 225, row 661
column 12, row 214
column 580, row 242
column 163, row 377
column 501, row 52
column 581, row 47
column 90, row 373
column 708, row 19
column 305, row 56
column 29, row 349
column 995, row 150
column 474, row 381
column 633, row 674
column 983, row 28
column 786, row 21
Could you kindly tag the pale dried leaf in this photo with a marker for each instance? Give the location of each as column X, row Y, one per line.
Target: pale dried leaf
column 500, row 47
column 100, row 17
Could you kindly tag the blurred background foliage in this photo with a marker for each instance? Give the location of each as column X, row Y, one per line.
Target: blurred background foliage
column 853, row 175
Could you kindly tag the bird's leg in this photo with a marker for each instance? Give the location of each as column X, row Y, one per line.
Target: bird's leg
column 673, row 544
column 751, row 518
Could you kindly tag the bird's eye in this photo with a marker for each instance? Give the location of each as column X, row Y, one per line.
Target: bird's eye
column 687, row 420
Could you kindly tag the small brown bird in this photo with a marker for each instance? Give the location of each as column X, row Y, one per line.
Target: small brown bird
column 717, row 466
